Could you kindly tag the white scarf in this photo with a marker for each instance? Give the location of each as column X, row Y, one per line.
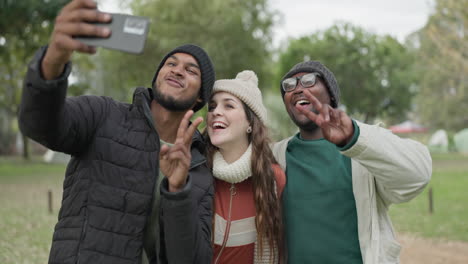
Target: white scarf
column 235, row 172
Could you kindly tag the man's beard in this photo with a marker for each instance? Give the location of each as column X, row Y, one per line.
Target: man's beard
column 171, row 104
column 307, row 125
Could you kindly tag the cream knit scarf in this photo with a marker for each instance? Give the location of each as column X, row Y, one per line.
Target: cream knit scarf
column 236, row 172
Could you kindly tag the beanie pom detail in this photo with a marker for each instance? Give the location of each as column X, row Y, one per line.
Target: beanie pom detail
column 248, row 76
column 244, row 87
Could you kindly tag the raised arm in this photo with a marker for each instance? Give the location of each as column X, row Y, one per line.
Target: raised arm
column 48, row 117
column 72, row 21
column 186, row 201
column 45, row 115
column 401, row 167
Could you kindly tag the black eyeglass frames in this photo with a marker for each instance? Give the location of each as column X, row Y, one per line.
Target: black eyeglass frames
column 307, row 80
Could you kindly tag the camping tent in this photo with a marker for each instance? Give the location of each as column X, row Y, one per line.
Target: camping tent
column 439, row 141
column 56, row 157
column 461, row 141
column 408, row 127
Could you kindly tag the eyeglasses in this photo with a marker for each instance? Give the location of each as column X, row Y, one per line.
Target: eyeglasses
column 307, row 80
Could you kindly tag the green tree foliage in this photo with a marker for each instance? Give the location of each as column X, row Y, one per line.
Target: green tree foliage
column 24, row 26
column 236, row 34
column 374, row 73
column 279, row 123
column 442, row 47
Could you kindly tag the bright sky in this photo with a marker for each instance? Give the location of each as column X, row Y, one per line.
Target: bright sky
column 398, row 18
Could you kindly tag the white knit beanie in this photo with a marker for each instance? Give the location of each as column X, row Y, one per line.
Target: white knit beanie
column 244, row 87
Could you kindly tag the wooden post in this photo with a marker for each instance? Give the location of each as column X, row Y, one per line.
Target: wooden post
column 49, row 199
column 431, row 201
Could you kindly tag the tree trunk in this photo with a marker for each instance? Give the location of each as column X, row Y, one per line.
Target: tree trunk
column 366, row 118
column 26, row 155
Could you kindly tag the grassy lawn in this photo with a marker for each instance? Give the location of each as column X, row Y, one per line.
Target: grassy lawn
column 26, row 226
column 450, row 195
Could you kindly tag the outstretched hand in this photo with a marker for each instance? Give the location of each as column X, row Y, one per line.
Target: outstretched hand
column 336, row 125
column 75, row 19
column 174, row 161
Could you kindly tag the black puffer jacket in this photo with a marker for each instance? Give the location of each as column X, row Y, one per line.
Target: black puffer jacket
column 110, row 180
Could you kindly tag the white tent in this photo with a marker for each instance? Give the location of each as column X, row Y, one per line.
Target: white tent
column 439, row 141
column 56, row 157
column 461, row 141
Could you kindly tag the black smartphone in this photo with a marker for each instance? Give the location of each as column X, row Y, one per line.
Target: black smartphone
column 129, row 34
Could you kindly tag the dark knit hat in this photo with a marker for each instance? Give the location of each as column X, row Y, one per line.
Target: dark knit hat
column 206, row 68
column 325, row 73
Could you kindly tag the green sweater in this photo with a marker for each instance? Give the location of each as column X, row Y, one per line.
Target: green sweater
column 319, row 206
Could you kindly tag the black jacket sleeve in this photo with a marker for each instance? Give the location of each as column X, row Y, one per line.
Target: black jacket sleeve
column 187, row 219
column 48, row 117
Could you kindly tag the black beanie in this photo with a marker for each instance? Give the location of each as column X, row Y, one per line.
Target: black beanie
column 326, row 74
column 206, row 69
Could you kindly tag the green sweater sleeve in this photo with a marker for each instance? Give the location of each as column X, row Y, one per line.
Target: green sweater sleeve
column 353, row 139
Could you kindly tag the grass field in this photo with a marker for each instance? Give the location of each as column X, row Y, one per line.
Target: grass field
column 26, row 226
column 450, row 195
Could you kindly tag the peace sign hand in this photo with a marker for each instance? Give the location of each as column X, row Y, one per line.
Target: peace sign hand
column 174, row 161
column 335, row 124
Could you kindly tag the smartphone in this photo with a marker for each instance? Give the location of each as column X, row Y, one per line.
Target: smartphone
column 129, row 34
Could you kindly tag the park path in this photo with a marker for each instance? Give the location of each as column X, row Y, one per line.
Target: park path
column 417, row 250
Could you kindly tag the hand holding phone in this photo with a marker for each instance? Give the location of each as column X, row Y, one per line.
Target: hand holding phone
column 76, row 19
column 72, row 21
column 128, row 34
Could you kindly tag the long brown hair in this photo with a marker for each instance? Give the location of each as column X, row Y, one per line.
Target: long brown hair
column 268, row 219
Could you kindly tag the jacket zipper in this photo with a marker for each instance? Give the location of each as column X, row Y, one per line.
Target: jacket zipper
column 228, row 223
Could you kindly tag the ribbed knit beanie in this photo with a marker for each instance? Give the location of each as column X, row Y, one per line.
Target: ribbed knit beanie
column 244, row 87
column 206, row 68
column 325, row 73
